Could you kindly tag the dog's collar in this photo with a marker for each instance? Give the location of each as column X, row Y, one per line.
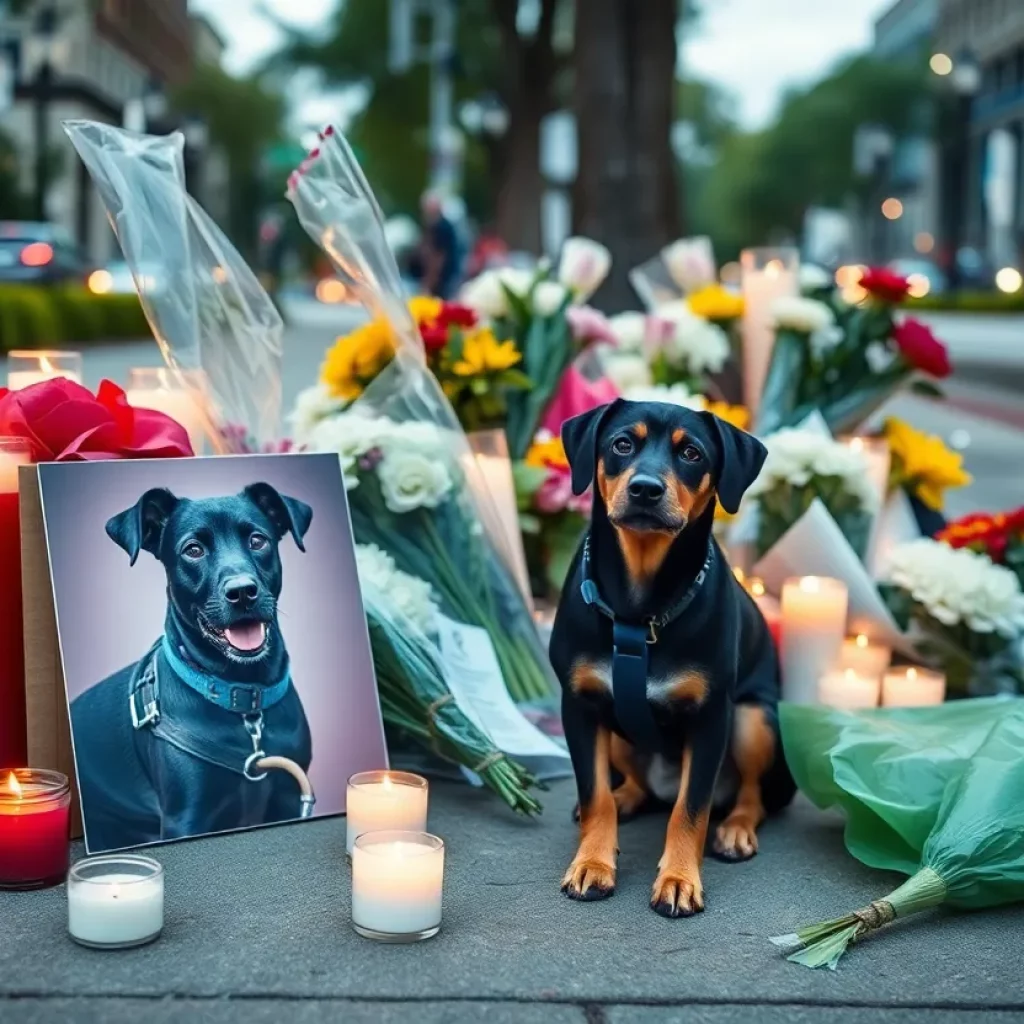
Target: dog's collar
column 242, row 698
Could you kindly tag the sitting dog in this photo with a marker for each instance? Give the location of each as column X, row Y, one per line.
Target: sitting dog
column 165, row 747
column 667, row 666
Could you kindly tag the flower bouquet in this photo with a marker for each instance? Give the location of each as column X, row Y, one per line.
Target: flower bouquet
column 846, row 359
column 967, row 614
column 999, row 535
column 804, row 465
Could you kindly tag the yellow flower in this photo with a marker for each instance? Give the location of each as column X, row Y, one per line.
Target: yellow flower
column 923, row 463
column 482, row 353
column 715, row 303
column 424, row 309
column 356, row 358
column 737, row 415
column 550, row 452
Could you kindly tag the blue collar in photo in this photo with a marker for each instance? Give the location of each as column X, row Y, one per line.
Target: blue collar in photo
column 244, row 698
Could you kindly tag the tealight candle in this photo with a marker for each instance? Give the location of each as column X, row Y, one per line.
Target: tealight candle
column 25, row 368
column 34, row 814
column 813, row 627
column 911, row 687
column 385, row 800
column 769, row 606
column 864, row 656
column 115, row 902
column 167, row 391
column 845, row 688
column 397, row 885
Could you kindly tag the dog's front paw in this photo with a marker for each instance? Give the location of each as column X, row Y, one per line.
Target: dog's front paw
column 589, row 880
column 735, row 840
column 677, row 895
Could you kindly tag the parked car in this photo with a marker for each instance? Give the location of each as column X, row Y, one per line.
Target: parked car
column 33, row 252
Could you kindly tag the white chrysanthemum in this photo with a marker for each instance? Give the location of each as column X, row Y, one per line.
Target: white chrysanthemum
column 959, row 586
column 548, row 298
column 797, row 456
column 675, row 394
column 630, row 330
column 312, row 405
column 409, row 596
column 412, row 479
column 626, row 370
column 697, row 344
column 799, row 314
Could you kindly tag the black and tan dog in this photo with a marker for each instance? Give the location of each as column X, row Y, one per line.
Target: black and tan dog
column 667, row 667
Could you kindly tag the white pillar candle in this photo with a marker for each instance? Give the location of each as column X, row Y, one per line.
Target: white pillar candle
column 25, row 368
column 847, row 689
column 397, row 885
column 910, row 687
column 813, row 627
column 177, row 394
column 767, row 274
column 384, row 800
column 115, row 902
column 864, row 656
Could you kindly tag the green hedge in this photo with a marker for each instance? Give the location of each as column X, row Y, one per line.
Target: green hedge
column 971, row 302
column 37, row 317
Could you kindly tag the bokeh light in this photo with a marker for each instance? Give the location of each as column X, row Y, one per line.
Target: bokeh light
column 941, row 63
column 918, row 286
column 892, row 209
column 1009, row 280
column 924, row 241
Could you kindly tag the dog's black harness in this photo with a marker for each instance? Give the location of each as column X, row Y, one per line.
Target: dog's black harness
column 630, row 654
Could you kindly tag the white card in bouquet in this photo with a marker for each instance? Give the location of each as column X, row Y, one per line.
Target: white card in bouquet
column 475, row 680
column 815, row 546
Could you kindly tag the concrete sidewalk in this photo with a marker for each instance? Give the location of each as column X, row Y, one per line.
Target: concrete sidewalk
column 258, row 932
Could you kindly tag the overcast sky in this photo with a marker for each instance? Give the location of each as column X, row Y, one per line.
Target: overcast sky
column 755, row 48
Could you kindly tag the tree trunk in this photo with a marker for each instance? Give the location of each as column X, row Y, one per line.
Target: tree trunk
column 519, row 183
column 626, row 193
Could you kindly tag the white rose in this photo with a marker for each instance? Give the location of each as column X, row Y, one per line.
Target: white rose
column 799, row 314
column 312, row 405
column 690, row 262
column 583, row 266
column 626, row 370
column 518, row 280
column 375, row 566
column 629, row 330
column 675, row 394
column 699, row 346
column 410, row 480
column 548, row 298
column 485, row 296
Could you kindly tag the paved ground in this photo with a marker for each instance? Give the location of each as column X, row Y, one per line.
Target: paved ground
column 258, row 919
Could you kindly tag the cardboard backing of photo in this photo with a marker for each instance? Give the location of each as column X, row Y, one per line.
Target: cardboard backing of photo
column 46, row 706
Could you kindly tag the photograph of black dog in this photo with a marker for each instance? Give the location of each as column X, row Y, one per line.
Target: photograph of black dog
column 670, row 677
column 164, row 747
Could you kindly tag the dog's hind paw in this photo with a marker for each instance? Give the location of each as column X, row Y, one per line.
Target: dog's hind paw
column 735, row 841
column 677, row 896
column 589, row 880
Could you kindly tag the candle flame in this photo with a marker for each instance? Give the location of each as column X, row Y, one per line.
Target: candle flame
column 13, row 785
column 810, row 584
column 911, row 674
column 757, row 586
column 862, row 640
column 387, row 784
column 850, row 675
column 773, row 268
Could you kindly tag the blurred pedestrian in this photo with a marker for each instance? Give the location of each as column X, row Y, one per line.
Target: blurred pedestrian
column 440, row 250
column 489, row 250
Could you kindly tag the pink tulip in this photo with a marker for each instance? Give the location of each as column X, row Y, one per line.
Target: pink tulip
column 576, row 395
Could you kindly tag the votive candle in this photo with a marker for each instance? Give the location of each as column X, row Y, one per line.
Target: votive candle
column 385, row 800
column 845, row 688
column 176, row 393
column 813, row 626
column 397, row 885
column 865, row 656
column 912, row 687
column 115, row 902
column 28, row 367
column 35, row 807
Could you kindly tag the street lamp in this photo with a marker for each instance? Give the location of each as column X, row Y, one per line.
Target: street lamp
column 965, row 81
column 45, row 43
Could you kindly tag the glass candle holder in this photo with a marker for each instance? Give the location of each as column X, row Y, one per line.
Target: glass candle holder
column 813, row 626
column 35, row 809
column 176, row 393
column 397, row 885
column 32, row 367
column 912, row 687
column 384, row 800
column 116, row 901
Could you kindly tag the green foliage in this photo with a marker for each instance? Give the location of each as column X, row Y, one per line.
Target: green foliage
column 13, row 204
column 970, row 302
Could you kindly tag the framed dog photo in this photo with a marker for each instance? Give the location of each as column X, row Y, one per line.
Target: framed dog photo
column 214, row 647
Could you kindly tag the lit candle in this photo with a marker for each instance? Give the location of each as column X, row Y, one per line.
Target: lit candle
column 769, row 606
column 865, row 657
column 169, row 392
column 813, row 627
column 767, row 274
column 845, row 688
column 14, row 452
column 385, row 800
column 25, row 368
column 115, row 902
column 912, row 687
column 34, row 815
column 397, row 885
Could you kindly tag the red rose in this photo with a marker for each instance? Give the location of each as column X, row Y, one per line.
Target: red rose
column 455, row 315
column 921, row 349
column 884, row 284
column 64, row 422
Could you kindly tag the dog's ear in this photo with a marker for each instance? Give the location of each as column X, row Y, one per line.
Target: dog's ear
column 579, row 439
column 743, row 456
column 289, row 515
column 140, row 527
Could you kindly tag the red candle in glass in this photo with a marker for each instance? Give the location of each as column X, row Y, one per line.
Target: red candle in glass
column 14, row 452
column 35, row 811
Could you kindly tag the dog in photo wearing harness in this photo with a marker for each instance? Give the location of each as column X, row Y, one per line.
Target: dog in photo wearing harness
column 670, row 677
column 170, row 746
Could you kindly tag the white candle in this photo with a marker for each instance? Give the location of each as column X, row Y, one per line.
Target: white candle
column 864, row 656
column 115, row 902
column 767, row 274
column 397, row 885
column 25, row 368
column 813, row 627
column 912, row 687
column 168, row 392
column 385, row 800
column 847, row 689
